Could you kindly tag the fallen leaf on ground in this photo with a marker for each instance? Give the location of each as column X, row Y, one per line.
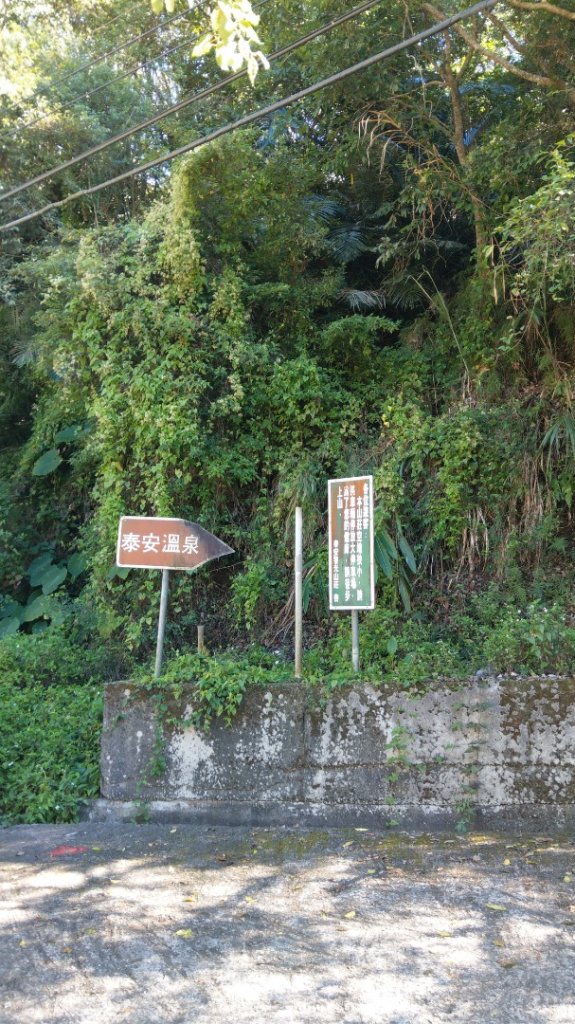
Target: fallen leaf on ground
column 184, row 933
column 568, row 877
column 191, row 899
column 445, row 935
column 506, row 862
column 249, row 899
column 499, row 942
column 350, row 913
column 495, row 906
column 508, row 963
column 350, row 843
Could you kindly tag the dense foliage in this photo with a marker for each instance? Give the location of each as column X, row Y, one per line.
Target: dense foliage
column 49, row 734
column 379, row 280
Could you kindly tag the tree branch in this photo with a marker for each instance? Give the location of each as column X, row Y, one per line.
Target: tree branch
column 496, row 58
column 543, row 5
column 505, row 32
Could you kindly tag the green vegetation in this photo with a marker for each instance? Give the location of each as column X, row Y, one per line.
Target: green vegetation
column 380, row 280
column 50, row 723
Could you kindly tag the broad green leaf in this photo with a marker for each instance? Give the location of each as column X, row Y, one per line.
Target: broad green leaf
column 38, row 566
column 47, row 463
column 382, row 556
column 43, row 574
column 392, row 645
column 157, row 6
column 36, row 608
column 407, row 553
column 53, row 578
column 76, row 565
column 37, row 578
column 70, row 433
column 121, row 573
column 58, row 612
column 9, row 626
column 9, row 607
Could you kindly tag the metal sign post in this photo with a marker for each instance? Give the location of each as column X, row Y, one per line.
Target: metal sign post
column 351, row 553
column 355, row 639
column 162, row 622
column 298, row 591
column 153, row 542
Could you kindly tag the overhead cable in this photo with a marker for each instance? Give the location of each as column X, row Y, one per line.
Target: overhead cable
column 124, row 46
column 242, row 122
column 182, row 104
column 62, row 107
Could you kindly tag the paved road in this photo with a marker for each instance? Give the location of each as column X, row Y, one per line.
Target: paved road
column 183, row 925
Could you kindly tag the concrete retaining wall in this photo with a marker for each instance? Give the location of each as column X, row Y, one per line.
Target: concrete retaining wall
column 487, row 750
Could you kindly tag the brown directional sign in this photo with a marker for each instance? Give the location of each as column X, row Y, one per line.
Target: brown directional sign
column 156, row 543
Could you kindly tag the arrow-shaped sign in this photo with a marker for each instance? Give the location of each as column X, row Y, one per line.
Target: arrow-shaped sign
column 146, row 542
column 152, row 542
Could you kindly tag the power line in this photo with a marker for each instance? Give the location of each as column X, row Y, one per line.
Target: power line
column 123, row 46
column 101, row 146
column 107, row 85
column 122, row 16
column 242, row 122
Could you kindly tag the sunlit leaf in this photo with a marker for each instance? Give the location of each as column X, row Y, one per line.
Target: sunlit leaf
column 204, row 45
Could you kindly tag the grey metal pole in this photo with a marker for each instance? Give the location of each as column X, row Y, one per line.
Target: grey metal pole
column 355, row 639
column 201, row 641
column 162, row 622
column 298, row 599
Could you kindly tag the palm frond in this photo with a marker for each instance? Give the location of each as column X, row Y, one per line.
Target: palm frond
column 560, row 435
column 347, row 242
column 362, row 299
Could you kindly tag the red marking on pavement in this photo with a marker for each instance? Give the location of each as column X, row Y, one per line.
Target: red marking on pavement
column 62, row 851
